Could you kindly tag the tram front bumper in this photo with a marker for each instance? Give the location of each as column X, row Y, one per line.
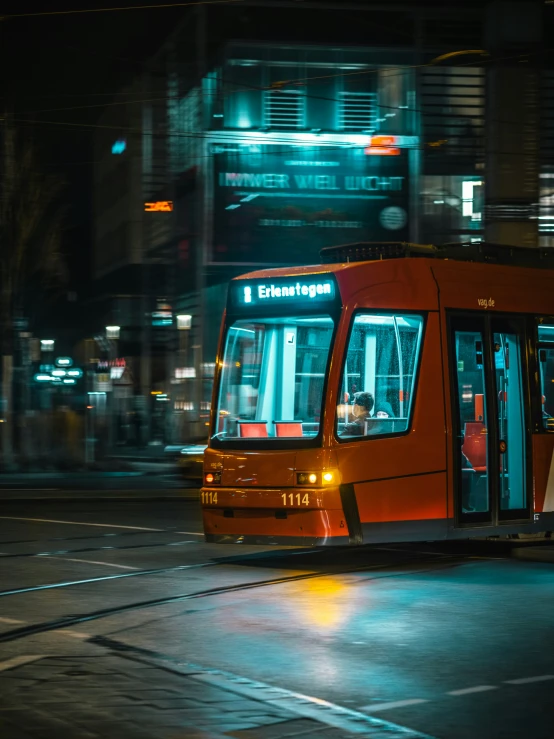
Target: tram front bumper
column 287, row 516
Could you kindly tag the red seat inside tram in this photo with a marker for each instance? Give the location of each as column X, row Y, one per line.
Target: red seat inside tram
column 475, row 445
column 288, row 428
column 252, row 429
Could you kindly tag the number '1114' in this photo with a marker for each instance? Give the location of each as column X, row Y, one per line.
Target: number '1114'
column 292, row 498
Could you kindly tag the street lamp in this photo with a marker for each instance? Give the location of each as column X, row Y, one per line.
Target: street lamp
column 183, row 372
column 112, row 335
column 112, row 332
column 184, row 322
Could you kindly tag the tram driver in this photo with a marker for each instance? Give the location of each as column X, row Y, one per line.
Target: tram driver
column 361, row 410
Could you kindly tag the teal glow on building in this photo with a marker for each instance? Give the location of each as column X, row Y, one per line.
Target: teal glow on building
column 303, row 136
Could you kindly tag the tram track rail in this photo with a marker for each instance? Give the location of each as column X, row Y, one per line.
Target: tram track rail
column 147, row 572
column 88, row 550
column 111, row 535
column 73, row 620
column 241, row 559
column 103, row 578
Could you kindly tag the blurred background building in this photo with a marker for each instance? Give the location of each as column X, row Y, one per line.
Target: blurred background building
column 260, row 133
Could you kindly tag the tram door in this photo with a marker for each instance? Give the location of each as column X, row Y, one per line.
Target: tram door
column 490, row 428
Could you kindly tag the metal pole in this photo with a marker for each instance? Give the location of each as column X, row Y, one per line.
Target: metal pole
column 415, row 156
column 143, row 409
column 202, row 245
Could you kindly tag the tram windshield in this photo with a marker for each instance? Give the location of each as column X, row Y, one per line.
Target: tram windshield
column 273, row 378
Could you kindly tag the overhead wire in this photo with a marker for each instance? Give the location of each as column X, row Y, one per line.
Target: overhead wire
column 238, row 87
column 408, row 67
column 289, row 144
column 82, row 11
column 399, row 69
column 183, row 134
column 241, row 87
column 198, row 135
column 99, row 105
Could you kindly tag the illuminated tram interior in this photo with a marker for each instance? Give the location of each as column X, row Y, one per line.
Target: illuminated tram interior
column 273, row 377
column 381, row 359
column 546, row 370
column 274, row 371
column 473, row 421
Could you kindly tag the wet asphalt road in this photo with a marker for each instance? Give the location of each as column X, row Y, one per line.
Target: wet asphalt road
column 450, row 640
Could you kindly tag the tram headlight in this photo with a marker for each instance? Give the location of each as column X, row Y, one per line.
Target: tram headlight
column 328, row 477
column 212, row 478
column 307, row 478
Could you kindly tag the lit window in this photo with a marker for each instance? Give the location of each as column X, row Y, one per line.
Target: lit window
column 468, row 199
column 185, row 373
column 273, row 377
column 546, row 374
column 377, row 391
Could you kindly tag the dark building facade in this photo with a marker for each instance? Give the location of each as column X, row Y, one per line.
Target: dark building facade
column 268, row 136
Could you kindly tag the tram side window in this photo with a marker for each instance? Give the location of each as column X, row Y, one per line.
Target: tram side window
column 377, row 391
column 546, row 372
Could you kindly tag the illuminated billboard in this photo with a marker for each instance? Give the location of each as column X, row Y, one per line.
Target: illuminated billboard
column 160, row 206
column 280, row 204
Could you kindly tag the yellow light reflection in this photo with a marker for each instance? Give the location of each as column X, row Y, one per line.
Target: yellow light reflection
column 322, row 602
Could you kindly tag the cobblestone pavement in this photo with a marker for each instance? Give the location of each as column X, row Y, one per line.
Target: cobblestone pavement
column 87, row 697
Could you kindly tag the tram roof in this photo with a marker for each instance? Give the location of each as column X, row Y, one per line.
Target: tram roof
column 346, row 256
column 481, row 252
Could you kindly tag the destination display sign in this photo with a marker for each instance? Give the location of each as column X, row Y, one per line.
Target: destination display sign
column 283, row 204
column 304, row 291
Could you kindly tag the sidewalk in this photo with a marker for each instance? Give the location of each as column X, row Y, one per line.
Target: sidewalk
column 111, row 695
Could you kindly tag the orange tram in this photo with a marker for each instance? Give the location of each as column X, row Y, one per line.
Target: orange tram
column 401, row 393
